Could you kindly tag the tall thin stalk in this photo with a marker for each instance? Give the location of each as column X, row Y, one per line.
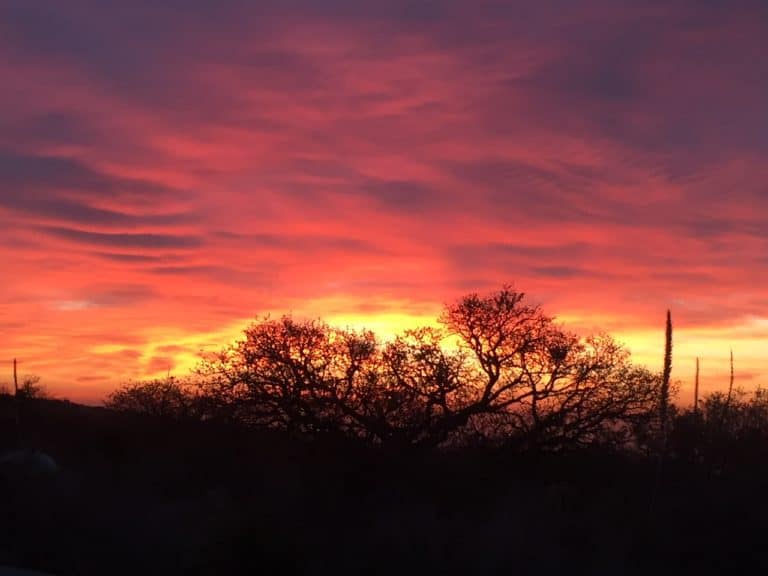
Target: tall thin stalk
column 664, row 400
column 730, row 390
column 16, row 407
column 663, row 415
column 696, row 389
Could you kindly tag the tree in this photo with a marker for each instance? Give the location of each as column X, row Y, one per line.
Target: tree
column 425, row 389
column 515, row 376
column 552, row 388
column 304, row 377
column 308, row 378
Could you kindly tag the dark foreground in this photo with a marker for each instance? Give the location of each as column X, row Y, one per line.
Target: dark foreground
column 141, row 496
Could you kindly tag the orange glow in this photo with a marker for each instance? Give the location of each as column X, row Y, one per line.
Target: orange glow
column 367, row 168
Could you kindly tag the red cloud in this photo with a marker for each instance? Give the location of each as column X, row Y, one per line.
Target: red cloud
column 156, row 194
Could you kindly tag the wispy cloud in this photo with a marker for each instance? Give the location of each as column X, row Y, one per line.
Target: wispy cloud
column 222, row 159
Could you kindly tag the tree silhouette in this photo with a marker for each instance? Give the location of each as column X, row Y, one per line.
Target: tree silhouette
column 515, row 376
column 304, row 377
column 553, row 388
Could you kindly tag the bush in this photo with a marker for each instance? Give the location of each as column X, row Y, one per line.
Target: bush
column 167, row 398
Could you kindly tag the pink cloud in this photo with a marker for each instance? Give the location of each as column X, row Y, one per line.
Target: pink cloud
column 226, row 162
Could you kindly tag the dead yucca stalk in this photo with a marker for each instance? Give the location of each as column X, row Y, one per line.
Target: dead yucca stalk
column 664, row 395
column 696, row 389
column 730, row 388
column 663, row 414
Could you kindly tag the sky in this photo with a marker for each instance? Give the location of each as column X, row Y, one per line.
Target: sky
column 171, row 170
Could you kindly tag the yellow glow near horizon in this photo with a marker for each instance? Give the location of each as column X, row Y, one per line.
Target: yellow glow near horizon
column 186, row 348
column 646, row 345
column 713, row 350
column 386, row 326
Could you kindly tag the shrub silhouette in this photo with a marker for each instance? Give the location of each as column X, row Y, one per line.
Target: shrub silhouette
column 168, row 398
column 29, row 387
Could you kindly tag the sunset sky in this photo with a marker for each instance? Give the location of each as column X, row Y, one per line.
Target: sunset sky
column 171, row 170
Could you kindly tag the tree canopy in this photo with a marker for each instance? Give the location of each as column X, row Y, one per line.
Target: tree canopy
column 497, row 370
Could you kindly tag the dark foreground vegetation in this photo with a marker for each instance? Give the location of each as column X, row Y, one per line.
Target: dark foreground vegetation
column 143, row 495
column 310, row 450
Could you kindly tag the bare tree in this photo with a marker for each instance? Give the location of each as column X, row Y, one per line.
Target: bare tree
column 299, row 376
column 553, row 388
column 310, row 378
column 515, row 373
